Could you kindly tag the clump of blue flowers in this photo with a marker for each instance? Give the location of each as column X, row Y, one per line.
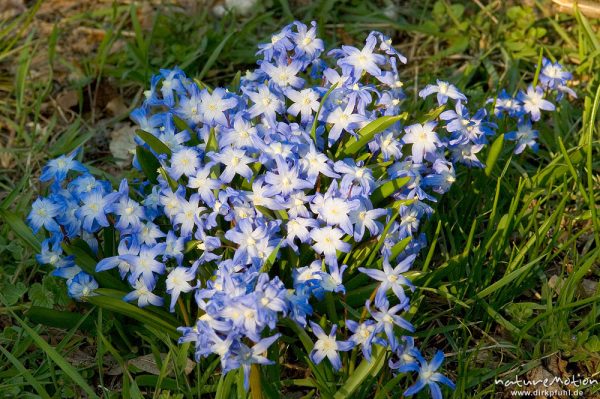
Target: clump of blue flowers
column 263, row 200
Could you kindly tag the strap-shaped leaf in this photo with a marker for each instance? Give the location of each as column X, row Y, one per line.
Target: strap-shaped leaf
column 212, row 144
column 21, row 229
column 154, row 142
column 88, row 263
column 57, row 318
column 364, row 370
column 60, row 361
column 367, row 133
column 313, row 129
column 494, row 153
column 385, row 190
column 117, row 305
column 148, row 163
column 271, row 259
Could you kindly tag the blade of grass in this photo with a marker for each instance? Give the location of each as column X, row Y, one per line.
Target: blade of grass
column 60, row 361
column 25, row 373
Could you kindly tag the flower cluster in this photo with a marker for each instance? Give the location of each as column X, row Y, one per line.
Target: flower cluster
column 263, row 201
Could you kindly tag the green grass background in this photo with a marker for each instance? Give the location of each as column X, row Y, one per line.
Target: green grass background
column 509, row 283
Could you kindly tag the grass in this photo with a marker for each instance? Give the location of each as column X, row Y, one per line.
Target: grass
column 509, row 284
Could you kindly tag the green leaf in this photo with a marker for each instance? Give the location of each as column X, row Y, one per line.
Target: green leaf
column 362, row 372
column 226, row 382
column 58, row 319
column 148, row 163
column 211, row 144
column 21, row 229
column 313, row 129
column 593, row 344
column 153, row 382
column 11, row 198
column 88, row 263
column 181, row 124
column 271, row 259
column 367, row 133
column 385, row 190
column 214, row 55
column 13, row 292
column 145, row 317
column 25, row 373
column 172, row 183
column 301, row 332
column 40, row 296
column 69, row 370
column 386, row 229
column 58, row 288
column 158, row 146
column 494, row 153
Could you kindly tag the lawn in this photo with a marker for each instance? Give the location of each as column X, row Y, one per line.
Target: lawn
column 507, row 285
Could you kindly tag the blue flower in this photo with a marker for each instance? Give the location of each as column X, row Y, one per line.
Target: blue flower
column 525, row 136
column 354, row 61
column 442, row 178
column 143, row 294
column 130, row 212
column 171, row 83
column 327, row 346
column 57, row 169
column 169, row 135
column 467, row 154
column 314, row 163
column 184, row 161
column 235, row 162
column 305, row 103
column 332, row 281
column 94, row 208
column 387, row 317
column 327, row 241
column 43, row 212
column 356, row 177
column 392, row 277
column 241, row 135
column 388, row 48
column 343, row 119
column 145, row 264
column 246, row 356
column 428, row 376
column 306, row 41
column 284, row 75
column 553, row 75
column 178, row 281
column 266, row 103
column 286, row 180
column 363, row 335
column 188, row 215
column 297, row 191
column 213, row 106
column 127, row 246
column 423, row 139
column 52, row 254
column 270, row 298
column 366, row 218
column 174, row 247
column 81, row 286
column 444, row 91
column 408, row 356
column 280, row 43
column 334, row 209
column 298, row 228
column 534, row 102
column 506, row 103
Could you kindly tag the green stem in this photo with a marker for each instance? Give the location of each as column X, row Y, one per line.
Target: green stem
column 255, row 385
